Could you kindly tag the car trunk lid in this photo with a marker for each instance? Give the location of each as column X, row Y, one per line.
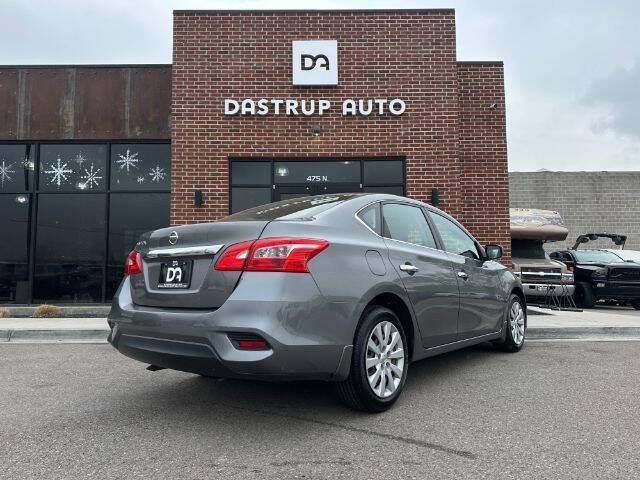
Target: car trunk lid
column 178, row 264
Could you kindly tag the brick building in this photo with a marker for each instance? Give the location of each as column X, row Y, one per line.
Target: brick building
column 264, row 106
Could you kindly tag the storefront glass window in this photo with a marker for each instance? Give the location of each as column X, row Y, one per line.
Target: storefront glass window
column 74, row 253
column 140, row 167
column 70, row 248
column 14, row 254
column 130, row 215
column 72, row 168
column 16, row 168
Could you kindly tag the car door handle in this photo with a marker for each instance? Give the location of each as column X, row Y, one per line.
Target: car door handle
column 410, row 269
column 463, row 275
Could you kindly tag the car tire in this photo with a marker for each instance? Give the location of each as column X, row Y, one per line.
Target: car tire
column 636, row 304
column 515, row 325
column 584, row 296
column 378, row 326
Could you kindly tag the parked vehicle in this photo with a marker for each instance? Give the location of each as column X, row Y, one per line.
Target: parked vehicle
column 349, row 288
column 540, row 275
column 601, row 274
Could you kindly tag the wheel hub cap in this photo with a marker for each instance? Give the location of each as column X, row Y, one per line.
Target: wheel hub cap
column 516, row 323
column 384, row 359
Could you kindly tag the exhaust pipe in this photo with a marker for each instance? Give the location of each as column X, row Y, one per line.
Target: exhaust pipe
column 154, row 368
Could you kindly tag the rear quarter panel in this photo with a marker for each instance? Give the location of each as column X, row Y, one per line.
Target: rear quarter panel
column 342, row 272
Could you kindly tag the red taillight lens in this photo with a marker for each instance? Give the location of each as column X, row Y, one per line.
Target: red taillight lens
column 133, row 264
column 234, row 257
column 283, row 254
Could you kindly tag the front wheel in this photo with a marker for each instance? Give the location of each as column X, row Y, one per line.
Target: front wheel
column 583, row 295
column 516, row 326
column 379, row 364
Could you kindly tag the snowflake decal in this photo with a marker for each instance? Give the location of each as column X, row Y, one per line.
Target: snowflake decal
column 5, row 172
column 129, row 160
column 157, row 174
column 79, row 159
column 140, row 180
column 91, row 177
column 58, row 172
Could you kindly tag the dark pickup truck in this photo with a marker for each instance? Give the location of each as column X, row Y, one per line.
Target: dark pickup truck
column 600, row 274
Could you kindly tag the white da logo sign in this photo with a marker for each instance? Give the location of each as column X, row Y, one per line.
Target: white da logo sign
column 315, row 62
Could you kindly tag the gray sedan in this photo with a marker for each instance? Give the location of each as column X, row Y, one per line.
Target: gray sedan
column 348, row 288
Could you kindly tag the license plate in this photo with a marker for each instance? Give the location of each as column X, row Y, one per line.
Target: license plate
column 175, row 274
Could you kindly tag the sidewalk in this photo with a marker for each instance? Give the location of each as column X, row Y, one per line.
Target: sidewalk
column 543, row 324
column 51, row 330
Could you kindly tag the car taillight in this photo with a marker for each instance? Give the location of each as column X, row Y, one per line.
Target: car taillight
column 271, row 255
column 133, row 264
column 283, row 254
column 234, row 257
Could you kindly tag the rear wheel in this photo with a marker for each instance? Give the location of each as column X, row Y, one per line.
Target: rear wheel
column 516, row 326
column 379, row 364
column 583, row 295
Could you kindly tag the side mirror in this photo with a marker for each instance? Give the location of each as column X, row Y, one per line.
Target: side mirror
column 493, row 251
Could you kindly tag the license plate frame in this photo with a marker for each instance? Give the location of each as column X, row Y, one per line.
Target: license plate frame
column 175, row 275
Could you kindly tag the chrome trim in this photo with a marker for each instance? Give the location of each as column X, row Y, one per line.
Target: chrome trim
column 184, row 251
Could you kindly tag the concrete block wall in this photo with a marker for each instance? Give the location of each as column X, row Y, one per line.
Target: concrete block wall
column 588, row 201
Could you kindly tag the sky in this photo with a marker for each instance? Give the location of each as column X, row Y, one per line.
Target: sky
column 572, row 68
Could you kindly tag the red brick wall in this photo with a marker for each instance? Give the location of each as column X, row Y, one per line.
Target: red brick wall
column 403, row 54
column 483, row 153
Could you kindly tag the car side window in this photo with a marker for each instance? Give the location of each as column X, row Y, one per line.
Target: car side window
column 407, row 224
column 371, row 217
column 455, row 239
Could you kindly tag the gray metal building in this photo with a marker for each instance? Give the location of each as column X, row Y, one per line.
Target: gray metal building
column 588, row 202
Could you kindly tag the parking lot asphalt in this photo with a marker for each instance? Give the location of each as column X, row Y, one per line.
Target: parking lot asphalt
column 554, row 410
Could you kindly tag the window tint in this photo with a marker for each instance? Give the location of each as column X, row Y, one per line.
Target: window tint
column 126, row 224
column 137, row 166
column 70, row 248
column 317, row 172
column 72, row 168
column 383, row 172
column 371, row 217
column 406, row 223
column 14, row 254
column 244, row 198
column 454, row 238
column 397, row 190
column 16, row 168
column 251, row 173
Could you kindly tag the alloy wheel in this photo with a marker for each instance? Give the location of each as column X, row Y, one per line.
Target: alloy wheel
column 385, row 359
column 516, row 323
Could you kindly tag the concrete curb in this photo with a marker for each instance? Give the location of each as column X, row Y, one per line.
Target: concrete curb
column 538, row 333
column 100, row 335
column 54, row 335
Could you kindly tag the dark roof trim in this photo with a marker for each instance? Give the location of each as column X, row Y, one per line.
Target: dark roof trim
column 320, row 10
column 103, row 65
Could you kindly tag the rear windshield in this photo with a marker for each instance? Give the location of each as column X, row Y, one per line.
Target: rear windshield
column 599, row 256
column 294, row 209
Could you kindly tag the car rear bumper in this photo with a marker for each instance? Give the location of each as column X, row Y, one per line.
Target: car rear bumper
column 547, row 289
column 308, row 337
